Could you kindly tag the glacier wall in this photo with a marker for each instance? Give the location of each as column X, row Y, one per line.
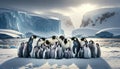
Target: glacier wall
column 29, row 24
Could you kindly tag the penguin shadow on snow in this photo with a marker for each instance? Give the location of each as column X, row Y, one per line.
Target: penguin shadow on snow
column 93, row 63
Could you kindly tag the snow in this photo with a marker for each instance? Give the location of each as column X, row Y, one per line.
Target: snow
column 84, row 32
column 94, row 17
column 10, row 31
column 110, row 59
column 115, row 31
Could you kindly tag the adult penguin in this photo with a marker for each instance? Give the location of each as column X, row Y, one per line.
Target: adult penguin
column 76, row 46
column 98, row 50
column 26, row 51
column 52, row 50
column 46, row 53
column 70, row 54
column 66, row 54
column 87, row 52
column 20, row 50
column 30, row 42
column 34, row 52
column 40, row 52
column 81, row 51
column 59, row 51
column 92, row 49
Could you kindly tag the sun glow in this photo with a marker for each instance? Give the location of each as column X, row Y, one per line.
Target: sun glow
column 84, row 8
column 79, row 11
column 76, row 13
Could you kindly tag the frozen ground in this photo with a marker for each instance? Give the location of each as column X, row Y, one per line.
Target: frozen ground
column 110, row 60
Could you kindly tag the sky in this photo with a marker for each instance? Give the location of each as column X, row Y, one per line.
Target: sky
column 75, row 9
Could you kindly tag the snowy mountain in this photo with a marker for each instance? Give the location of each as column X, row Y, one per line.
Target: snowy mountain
column 109, row 33
column 102, row 22
column 6, row 33
column 84, row 32
column 29, row 23
column 102, row 18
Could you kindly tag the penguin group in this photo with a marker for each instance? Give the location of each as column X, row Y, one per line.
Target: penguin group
column 58, row 47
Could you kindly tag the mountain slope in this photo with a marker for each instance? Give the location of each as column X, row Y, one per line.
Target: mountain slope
column 102, row 18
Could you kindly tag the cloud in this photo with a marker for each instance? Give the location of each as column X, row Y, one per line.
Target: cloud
column 72, row 8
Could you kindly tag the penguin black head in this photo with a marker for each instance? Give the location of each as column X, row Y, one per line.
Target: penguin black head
column 91, row 41
column 47, row 42
column 82, row 39
column 72, row 38
column 56, row 43
column 43, row 39
column 34, row 36
column 62, row 37
column 65, row 41
column 97, row 44
column 53, row 37
column 86, row 42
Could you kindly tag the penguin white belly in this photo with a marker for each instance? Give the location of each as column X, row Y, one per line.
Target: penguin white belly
column 81, row 53
column 38, row 53
column 98, row 51
column 95, row 50
column 32, row 54
column 66, row 54
column 70, row 55
column 59, row 52
column 25, row 52
column 52, row 53
column 44, row 54
column 87, row 53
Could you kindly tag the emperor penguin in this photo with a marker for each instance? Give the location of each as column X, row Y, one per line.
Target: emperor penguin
column 76, row 46
column 46, row 53
column 34, row 52
column 70, row 54
column 87, row 52
column 66, row 53
column 40, row 52
column 59, row 51
column 81, row 51
column 31, row 43
column 26, row 50
column 20, row 50
column 98, row 50
column 92, row 48
column 52, row 50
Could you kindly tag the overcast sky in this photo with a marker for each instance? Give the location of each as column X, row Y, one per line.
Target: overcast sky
column 75, row 9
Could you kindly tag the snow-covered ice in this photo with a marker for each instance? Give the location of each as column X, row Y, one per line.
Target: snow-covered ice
column 110, row 59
